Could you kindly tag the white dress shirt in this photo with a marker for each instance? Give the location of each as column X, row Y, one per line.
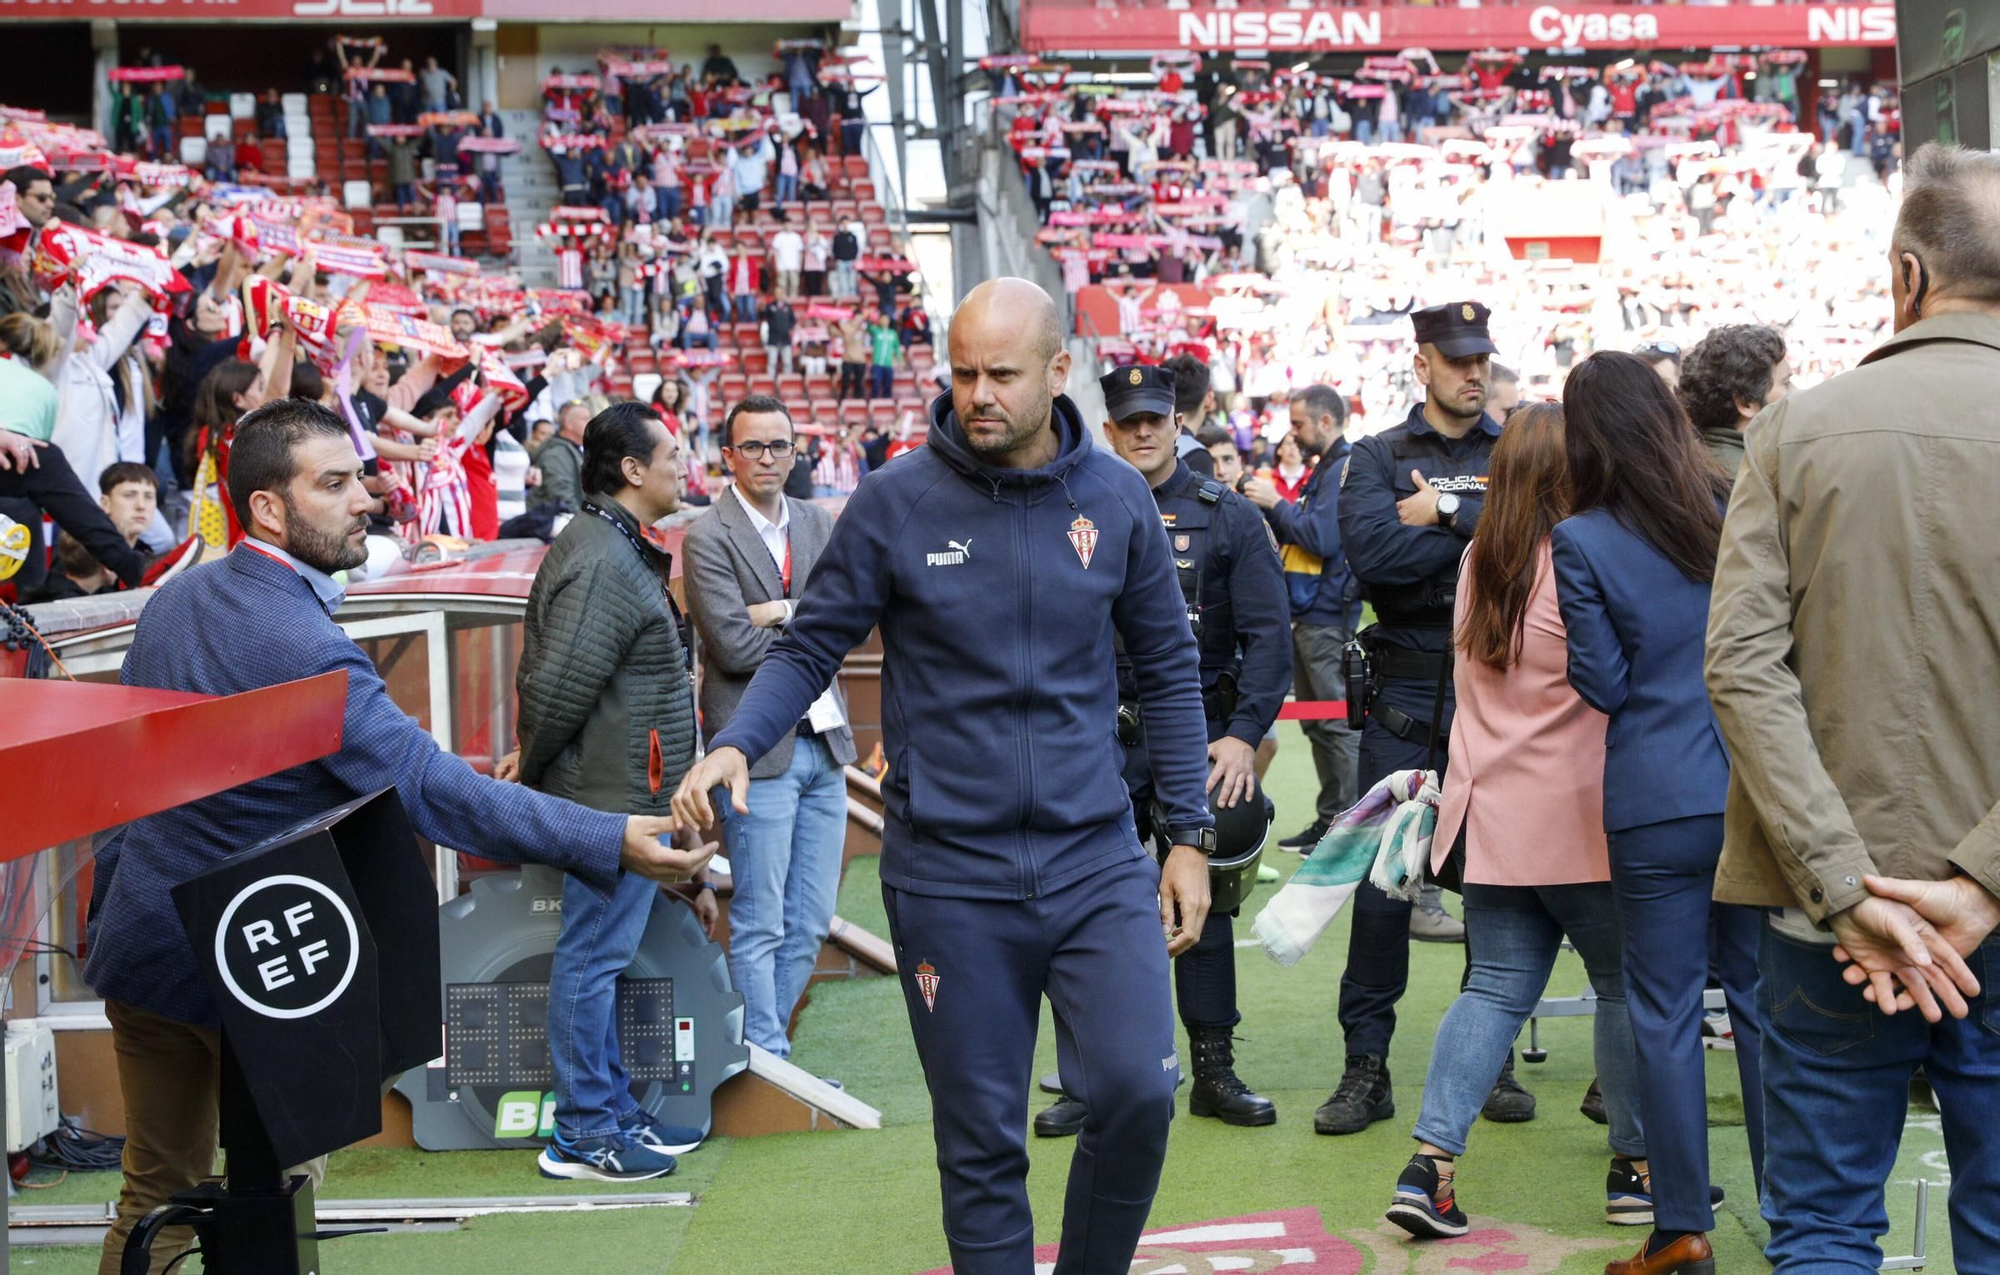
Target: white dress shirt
column 775, row 535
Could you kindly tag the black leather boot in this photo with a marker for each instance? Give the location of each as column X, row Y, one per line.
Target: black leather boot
column 1508, row 1103
column 1217, row 1090
column 1363, row 1096
column 1062, row 1118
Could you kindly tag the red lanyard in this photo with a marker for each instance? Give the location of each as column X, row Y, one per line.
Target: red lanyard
column 785, row 570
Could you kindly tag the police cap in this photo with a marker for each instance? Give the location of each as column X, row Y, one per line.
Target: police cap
column 1140, row 388
column 1457, row 329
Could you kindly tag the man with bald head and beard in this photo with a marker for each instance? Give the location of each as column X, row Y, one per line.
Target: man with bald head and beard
column 1001, row 562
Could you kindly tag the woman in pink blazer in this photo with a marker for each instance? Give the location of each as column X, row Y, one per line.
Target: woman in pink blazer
column 1524, row 792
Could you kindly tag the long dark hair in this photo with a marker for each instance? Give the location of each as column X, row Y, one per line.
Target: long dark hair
column 1633, row 451
column 1527, row 494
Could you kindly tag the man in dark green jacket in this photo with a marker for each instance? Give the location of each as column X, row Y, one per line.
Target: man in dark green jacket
column 561, row 460
column 607, row 720
column 1730, row 375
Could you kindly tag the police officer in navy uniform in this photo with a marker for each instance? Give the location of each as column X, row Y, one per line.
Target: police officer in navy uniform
column 1410, row 498
column 1235, row 591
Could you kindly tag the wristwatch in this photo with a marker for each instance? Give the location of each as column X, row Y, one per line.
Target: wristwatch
column 1202, row 839
column 1447, row 509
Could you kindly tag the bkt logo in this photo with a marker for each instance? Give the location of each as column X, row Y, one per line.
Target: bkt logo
column 547, row 903
column 525, row 1113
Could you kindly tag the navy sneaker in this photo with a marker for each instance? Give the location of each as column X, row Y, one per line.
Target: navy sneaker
column 1426, row 1206
column 1628, row 1195
column 613, row 1159
column 674, row 1139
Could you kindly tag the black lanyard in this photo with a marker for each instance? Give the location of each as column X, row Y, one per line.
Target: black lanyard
column 647, row 560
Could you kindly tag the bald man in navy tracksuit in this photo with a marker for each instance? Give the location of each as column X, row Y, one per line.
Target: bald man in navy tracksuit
column 999, row 561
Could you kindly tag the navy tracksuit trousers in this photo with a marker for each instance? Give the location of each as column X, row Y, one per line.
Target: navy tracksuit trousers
column 974, row 972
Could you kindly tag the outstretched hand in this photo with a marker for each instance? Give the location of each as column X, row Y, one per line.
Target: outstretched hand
column 647, row 853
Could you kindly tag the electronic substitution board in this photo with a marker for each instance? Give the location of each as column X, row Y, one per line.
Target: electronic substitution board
column 680, row 1025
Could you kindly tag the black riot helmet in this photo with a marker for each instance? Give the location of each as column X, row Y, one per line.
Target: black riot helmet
column 1239, row 847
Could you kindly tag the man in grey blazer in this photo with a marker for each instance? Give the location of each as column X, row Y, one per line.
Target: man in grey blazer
column 742, row 564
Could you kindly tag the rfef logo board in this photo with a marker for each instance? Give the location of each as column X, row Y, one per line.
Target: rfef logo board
column 287, row 946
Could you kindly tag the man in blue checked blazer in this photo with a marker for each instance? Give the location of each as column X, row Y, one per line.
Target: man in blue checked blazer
column 261, row 616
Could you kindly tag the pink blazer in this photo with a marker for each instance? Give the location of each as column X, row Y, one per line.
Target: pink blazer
column 1531, row 753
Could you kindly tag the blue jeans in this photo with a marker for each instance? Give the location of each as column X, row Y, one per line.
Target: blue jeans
column 788, row 187
column 600, row 936
column 1512, row 935
column 1663, row 875
column 881, row 381
column 784, row 861
column 1836, row 1086
column 746, row 307
column 670, row 202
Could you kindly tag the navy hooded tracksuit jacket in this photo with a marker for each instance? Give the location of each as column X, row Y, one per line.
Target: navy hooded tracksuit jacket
column 997, row 592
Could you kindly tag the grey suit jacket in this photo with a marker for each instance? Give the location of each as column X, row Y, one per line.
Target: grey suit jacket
column 724, row 569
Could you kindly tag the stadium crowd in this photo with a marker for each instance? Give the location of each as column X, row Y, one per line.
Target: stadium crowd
column 163, row 281
column 1313, row 213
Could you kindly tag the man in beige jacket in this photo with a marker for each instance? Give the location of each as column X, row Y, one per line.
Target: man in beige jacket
column 1854, row 635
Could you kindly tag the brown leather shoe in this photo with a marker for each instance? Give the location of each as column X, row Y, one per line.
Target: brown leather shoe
column 1688, row 1255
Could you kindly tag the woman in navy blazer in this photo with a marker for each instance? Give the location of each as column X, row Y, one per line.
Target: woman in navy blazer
column 1633, row 565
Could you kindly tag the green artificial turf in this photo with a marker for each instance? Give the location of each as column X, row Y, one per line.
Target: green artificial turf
column 866, row 1202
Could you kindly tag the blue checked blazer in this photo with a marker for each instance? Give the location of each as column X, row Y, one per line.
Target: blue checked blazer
column 250, row 621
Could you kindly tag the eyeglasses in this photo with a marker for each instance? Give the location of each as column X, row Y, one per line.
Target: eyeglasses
column 755, row 450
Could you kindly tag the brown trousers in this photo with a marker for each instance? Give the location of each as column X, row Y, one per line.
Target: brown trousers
column 169, row 1074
